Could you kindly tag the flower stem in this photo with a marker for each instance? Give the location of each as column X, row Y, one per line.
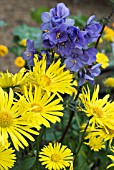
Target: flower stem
column 81, row 143
column 69, row 122
column 105, row 23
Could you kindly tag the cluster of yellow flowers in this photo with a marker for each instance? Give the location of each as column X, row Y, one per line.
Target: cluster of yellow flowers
column 101, row 119
column 29, row 99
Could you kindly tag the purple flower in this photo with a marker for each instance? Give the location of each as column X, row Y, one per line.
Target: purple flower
column 73, row 63
column 55, row 17
column 65, row 48
column 60, row 10
column 90, row 55
column 29, row 53
column 88, row 74
column 92, row 29
column 58, row 34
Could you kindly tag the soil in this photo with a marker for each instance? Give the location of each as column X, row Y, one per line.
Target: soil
column 18, row 12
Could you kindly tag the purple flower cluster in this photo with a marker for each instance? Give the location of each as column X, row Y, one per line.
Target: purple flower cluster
column 72, row 43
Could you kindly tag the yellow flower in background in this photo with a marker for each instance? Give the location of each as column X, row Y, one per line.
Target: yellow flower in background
column 7, row 158
column 43, row 109
column 56, row 157
column 100, row 111
column 13, row 124
column 101, row 133
column 102, row 59
column 54, row 79
column 112, row 164
column 109, row 82
column 8, row 80
column 95, row 136
column 101, row 40
column 19, row 62
column 113, row 24
column 95, row 143
column 109, row 34
column 3, row 50
column 23, row 42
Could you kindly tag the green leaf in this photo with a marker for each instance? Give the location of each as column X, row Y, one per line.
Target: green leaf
column 25, row 31
column 80, row 20
column 81, row 160
column 36, row 13
column 26, row 164
column 2, row 23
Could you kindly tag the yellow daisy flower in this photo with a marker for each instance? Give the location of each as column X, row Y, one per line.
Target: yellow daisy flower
column 23, row 42
column 102, row 59
column 42, row 108
column 19, row 62
column 106, row 135
column 7, row 158
column 3, row 50
column 112, row 164
column 103, row 134
column 95, row 143
column 100, row 111
column 109, row 34
column 109, row 82
column 54, row 79
column 13, row 125
column 8, row 80
column 56, row 157
column 96, row 140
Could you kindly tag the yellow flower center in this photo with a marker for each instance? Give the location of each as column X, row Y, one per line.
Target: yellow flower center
column 58, row 35
column 5, row 119
column 97, row 111
column 45, row 80
column 111, row 131
column 55, row 157
column 37, row 108
column 73, row 61
column 28, row 54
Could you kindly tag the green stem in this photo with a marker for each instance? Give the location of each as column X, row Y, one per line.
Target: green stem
column 105, row 156
column 42, row 134
column 85, row 160
column 81, row 143
column 37, row 153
